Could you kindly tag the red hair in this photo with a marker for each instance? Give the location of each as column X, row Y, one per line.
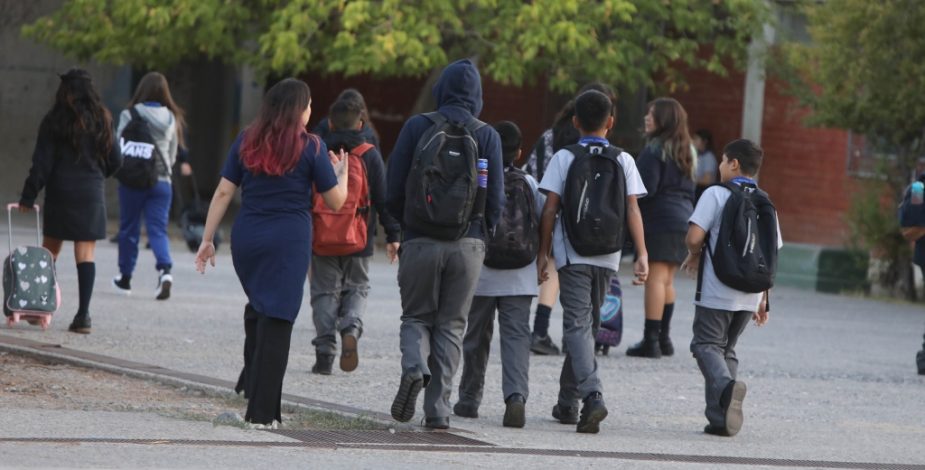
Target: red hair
column 273, row 143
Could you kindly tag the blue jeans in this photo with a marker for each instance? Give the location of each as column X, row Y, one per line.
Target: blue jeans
column 154, row 203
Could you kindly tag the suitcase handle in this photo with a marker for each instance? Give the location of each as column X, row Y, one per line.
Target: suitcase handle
column 9, row 221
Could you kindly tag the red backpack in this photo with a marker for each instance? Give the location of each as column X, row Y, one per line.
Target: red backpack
column 344, row 232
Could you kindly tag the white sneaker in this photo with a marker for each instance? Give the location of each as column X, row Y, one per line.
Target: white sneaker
column 164, row 281
column 122, row 286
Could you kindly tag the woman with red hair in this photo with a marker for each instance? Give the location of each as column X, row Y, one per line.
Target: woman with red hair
column 277, row 164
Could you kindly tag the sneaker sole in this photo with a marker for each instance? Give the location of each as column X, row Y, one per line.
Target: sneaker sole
column 514, row 416
column 593, row 424
column 349, row 356
column 734, row 416
column 164, row 292
column 406, row 399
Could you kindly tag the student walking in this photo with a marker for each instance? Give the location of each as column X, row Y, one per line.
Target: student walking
column 667, row 166
column 278, row 165
column 592, row 187
column 445, row 185
column 150, row 132
column 507, row 284
column 562, row 133
column 344, row 241
column 74, row 153
column 912, row 223
column 731, row 288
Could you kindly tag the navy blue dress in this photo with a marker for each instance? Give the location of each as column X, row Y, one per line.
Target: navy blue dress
column 271, row 239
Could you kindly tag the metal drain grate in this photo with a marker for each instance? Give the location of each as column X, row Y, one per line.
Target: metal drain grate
column 160, row 442
column 340, row 438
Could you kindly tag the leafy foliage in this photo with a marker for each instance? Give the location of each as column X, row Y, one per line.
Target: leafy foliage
column 625, row 42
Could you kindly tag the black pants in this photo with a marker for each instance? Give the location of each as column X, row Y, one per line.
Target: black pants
column 266, row 355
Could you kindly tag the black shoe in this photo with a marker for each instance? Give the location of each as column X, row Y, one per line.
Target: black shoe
column 565, row 414
column 80, row 324
column 667, row 348
column 407, row 397
column 592, row 413
column 324, row 363
column 349, row 355
column 602, row 349
column 122, row 284
column 543, row 346
column 465, row 410
column 436, row 423
column 920, row 361
column 515, row 411
column 648, row 347
column 731, row 401
column 715, row 430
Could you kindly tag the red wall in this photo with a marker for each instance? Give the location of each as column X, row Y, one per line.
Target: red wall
column 804, row 169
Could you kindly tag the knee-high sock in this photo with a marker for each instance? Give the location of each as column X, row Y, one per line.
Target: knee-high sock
column 86, row 276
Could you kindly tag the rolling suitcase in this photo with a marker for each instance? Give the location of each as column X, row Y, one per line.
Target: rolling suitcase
column 30, row 287
column 611, row 331
column 193, row 220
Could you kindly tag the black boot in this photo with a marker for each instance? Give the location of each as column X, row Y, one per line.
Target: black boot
column 324, row 363
column 649, row 346
column 664, row 341
column 81, row 324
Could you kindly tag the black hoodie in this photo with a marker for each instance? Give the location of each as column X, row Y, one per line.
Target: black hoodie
column 459, row 98
column 375, row 176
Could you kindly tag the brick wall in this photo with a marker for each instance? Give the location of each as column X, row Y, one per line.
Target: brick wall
column 804, row 169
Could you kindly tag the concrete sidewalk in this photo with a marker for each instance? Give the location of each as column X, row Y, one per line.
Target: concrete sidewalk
column 830, row 378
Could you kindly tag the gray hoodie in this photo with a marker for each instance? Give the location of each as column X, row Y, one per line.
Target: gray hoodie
column 163, row 127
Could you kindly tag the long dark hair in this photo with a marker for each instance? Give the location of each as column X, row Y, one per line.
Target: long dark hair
column 153, row 87
column 274, row 141
column 671, row 131
column 78, row 112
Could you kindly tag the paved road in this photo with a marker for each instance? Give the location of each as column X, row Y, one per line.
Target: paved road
column 831, row 378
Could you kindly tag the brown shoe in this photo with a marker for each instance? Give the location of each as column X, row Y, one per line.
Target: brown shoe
column 349, row 357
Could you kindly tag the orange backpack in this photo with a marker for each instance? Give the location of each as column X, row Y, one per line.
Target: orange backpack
column 344, row 232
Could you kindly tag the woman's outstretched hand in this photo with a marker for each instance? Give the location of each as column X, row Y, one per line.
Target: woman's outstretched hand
column 205, row 254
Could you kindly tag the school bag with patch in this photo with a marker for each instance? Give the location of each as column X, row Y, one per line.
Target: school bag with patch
column 442, row 187
column 516, row 239
column 139, row 153
column 610, row 332
column 594, row 200
column 344, row 231
column 745, row 255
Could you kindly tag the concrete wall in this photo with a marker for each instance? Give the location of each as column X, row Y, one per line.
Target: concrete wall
column 28, row 82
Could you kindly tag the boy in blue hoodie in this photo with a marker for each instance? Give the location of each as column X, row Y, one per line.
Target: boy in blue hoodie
column 437, row 275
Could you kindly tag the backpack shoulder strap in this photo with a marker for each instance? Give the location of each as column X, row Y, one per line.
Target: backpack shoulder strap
column 361, row 149
column 435, row 117
column 134, row 113
column 474, row 125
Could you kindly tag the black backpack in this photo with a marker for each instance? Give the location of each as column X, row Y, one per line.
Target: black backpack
column 745, row 255
column 594, row 200
column 517, row 236
column 442, row 194
column 139, row 154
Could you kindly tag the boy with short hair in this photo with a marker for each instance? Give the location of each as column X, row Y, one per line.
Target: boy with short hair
column 722, row 312
column 507, row 289
column 339, row 284
column 584, row 279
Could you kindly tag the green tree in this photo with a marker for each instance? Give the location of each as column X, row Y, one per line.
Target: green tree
column 863, row 71
column 625, row 42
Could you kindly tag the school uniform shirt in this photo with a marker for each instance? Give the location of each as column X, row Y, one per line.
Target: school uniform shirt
column 713, row 293
column 509, row 282
column 554, row 182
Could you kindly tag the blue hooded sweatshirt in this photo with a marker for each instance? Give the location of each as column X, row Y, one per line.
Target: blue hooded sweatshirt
column 459, row 98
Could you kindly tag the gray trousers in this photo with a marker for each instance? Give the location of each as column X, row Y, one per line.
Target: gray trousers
column 437, row 280
column 339, row 289
column 514, row 320
column 715, row 335
column 582, row 288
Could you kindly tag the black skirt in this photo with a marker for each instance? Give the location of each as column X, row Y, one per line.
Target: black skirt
column 74, row 220
column 666, row 247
